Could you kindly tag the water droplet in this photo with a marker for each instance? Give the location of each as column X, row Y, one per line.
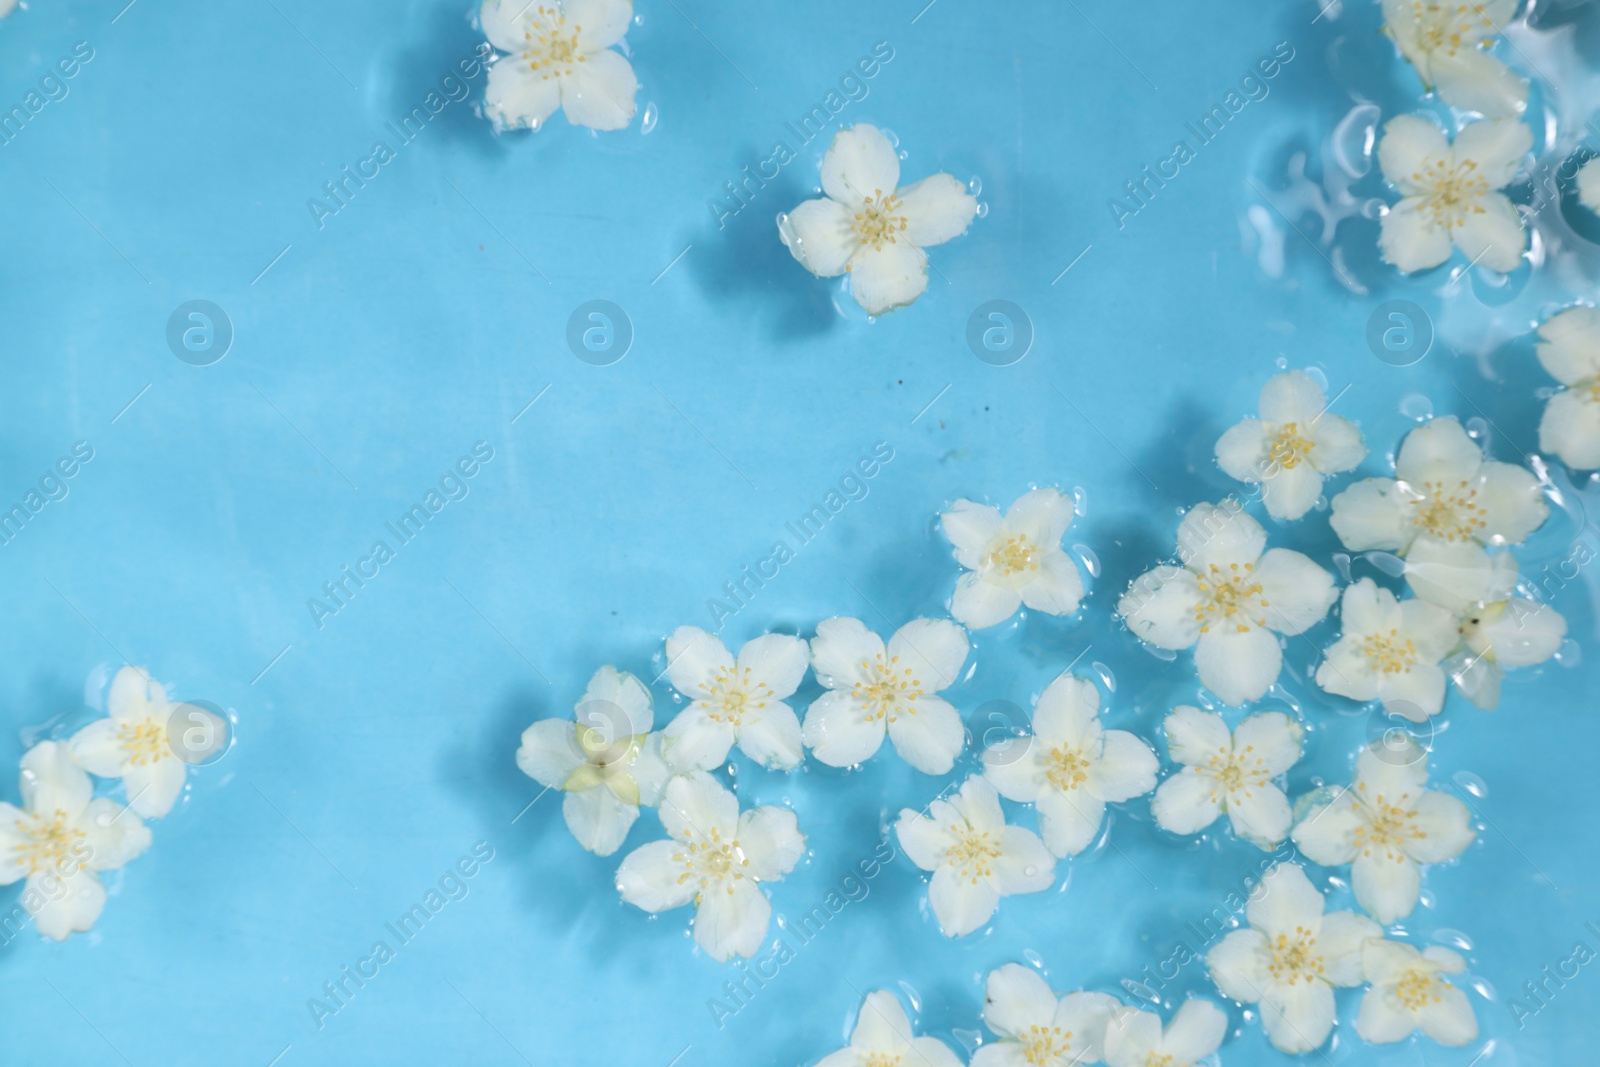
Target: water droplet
column 1033, row 958
column 1386, row 562
column 1106, row 676
column 1353, row 139
column 1316, row 374
column 1471, row 783
column 1569, row 654
column 1477, row 427
column 1282, row 363
column 1030, row 870
column 1416, row 406
column 975, row 186
column 983, row 211
column 912, row 995
column 969, row 1039
column 1454, row 938
column 651, row 114
column 1166, row 655
column 1086, row 556
column 1484, row 988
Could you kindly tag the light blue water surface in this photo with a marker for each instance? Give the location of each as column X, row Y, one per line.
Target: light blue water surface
column 376, row 749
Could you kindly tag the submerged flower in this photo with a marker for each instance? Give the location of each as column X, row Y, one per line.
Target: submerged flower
column 606, row 761
column 1447, row 501
column 1069, row 767
column 1012, row 560
column 883, row 1038
column 877, row 690
column 716, row 858
column 1228, row 600
column 1569, row 348
column 141, row 739
column 870, row 226
column 1293, row 445
column 1449, row 193
column 1136, row 1039
column 975, row 857
column 1291, row 957
column 1386, row 825
column 61, row 839
column 1228, row 773
column 1508, row 632
column 1409, row 992
column 734, row 700
column 1390, row 651
column 1446, row 40
column 1036, row 1029
column 559, row 56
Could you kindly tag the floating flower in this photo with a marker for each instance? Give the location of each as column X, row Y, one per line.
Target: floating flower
column 559, row 56
column 607, row 762
column 1409, row 992
column 1136, row 1039
column 1390, row 651
column 1294, row 444
column 1228, row 600
column 1448, row 193
column 883, row 1038
column 734, row 700
column 61, row 839
column 1070, row 767
column 1291, row 957
column 142, row 740
column 1447, row 44
column 870, row 227
column 717, row 858
column 1229, row 773
column 1504, row 633
column 1012, row 560
column 1386, row 825
column 1446, row 500
column 1036, row 1029
column 876, row 690
column 1569, row 348
column 1589, row 184
column 975, row 857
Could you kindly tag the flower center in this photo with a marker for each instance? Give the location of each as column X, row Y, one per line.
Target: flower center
column 1066, row 767
column 1418, row 988
column 553, row 51
column 1294, row 957
column 711, row 862
column 1017, row 554
column 1454, row 191
column 881, row 1059
column 52, row 844
column 1158, row 1059
column 1446, row 27
column 890, row 693
column 144, row 741
column 1288, row 448
column 1043, row 1046
column 1235, row 772
column 1389, row 653
column 733, row 694
column 1451, row 514
column 1387, row 827
column 973, row 852
column 878, row 222
column 1230, row 596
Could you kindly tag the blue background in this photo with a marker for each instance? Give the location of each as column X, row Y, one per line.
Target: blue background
column 375, row 750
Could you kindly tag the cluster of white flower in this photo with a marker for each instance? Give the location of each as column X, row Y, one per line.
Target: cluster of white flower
column 63, row 836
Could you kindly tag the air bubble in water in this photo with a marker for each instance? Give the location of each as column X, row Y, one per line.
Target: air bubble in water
column 1416, row 406
column 651, row 114
column 1471, row 783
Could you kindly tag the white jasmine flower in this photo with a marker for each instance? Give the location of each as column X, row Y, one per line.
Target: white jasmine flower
column 1291, row 957
column 1386, row 825
column 1228, row 600
column 870, row 226
column 607, row 761
column 135, row 743
column 1409, row 992
column 1229, row 773
column 1070, row 767
column 6, row 7
column 1449, row 502
column 1293, row 445
column 559, row 56
column 1589, row 184
column 876, row 690
column 1036, row 1029
column 1012, row 560
column 1390, row 651
column 61, row 839
column 1504, row 633
column 1447, row 41
column 734, row 700
column 1569, row 348
column 1448, row 193
column 975, row 857
column 1136, row 1039
column 717, row 858
column 883, row 1038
